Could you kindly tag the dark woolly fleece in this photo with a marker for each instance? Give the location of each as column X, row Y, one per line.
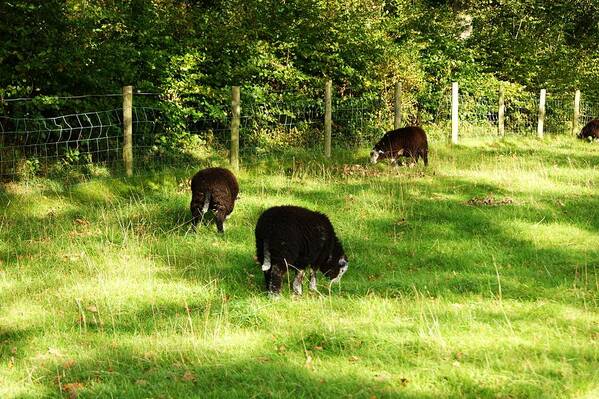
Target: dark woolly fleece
column 221, row 187
column 298, row 238
column 412, row 140
column 591, row 129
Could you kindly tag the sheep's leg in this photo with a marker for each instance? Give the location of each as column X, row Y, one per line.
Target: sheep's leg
column 197, row 214
column 313, row 280
column 220, row 224
column 206, row 203
column 413, row 160
column 298, row 281
column 276, row 280
column 266, row 262
column 267, row 280
column 220, row 220
column 425, row 157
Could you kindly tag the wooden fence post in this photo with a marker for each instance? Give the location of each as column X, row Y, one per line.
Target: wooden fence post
column 398, row 93
column 501, row 113
column 128, row 129
column 235, row 122
column 454, row 112
column 541, row 123
column 328, row 118
column 576, row 115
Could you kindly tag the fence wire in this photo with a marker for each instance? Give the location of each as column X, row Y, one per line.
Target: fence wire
column 589, row 110
column 43, row 144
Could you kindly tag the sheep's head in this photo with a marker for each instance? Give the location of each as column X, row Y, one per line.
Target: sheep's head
column 375, row 154
column 337, row 264
column 339, row 270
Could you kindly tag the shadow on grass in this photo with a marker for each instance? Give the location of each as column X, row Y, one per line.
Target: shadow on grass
column 438, row 244
column 388, row 360
column 126, row 373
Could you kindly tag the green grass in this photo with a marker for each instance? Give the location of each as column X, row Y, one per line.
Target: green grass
column 104, row 294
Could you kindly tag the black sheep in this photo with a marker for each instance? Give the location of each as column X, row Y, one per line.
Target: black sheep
column 297, row 238
column 213, row 189
column 590, row 131
column 408, row 142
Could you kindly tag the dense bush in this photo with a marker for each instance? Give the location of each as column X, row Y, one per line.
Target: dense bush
column 192, row 51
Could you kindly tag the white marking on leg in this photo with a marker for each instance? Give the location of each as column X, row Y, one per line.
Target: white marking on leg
column 312, row 280
column 266, row 264
column 206, row 202
column 297, row 282
column 274, row 296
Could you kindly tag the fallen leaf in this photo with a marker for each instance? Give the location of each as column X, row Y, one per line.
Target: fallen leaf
column 188, row 376
column 72, row 389
column 69, row 363
column 489, row 201
column 318, row 348
column 92, row 309
column 141, row 382
column 354, row 358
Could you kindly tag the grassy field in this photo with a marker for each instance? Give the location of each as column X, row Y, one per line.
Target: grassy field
column 475, row 277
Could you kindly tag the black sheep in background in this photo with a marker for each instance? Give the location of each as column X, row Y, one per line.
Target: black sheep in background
column 291, row 237
column 590, row 131
column 408, row 142
column 213, row 189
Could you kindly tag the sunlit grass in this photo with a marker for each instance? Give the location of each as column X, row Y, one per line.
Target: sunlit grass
column 105, row 291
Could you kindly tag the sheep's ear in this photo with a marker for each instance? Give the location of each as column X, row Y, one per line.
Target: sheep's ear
column 381, row 152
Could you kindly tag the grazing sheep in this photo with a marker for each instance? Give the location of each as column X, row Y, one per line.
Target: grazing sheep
column 408, row 142
column 297, row 238
column 213, row 189
column 590, row 131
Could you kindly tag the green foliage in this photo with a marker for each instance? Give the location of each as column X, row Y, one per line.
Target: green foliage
column 28, row 168
column 193, row 51
column 176, row 147
column 76, row 166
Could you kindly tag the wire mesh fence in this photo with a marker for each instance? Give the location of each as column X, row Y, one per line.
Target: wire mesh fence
column 44, row 140
column 589, row 110
column 36, row 144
